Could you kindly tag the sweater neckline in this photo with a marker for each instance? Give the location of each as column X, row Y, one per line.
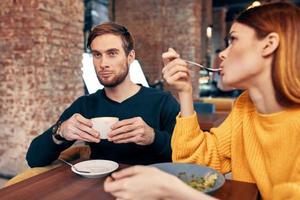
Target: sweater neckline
column 287, row 114
column 138, row 93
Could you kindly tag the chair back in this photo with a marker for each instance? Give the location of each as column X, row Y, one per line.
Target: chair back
column 204, row 107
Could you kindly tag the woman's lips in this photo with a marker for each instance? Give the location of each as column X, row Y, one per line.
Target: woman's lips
column 222, row 70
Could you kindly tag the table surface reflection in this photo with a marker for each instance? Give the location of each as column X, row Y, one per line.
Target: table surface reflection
column 210, row 120
column 62, row 183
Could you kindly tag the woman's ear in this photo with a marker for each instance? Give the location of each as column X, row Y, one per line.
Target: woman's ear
column 271, row 42
column 131, row 57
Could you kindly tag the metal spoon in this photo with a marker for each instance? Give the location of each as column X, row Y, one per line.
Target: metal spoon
column 203, row 67
column 78, row 170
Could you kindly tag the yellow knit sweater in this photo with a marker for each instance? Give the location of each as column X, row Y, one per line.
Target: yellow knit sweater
column 259, row 148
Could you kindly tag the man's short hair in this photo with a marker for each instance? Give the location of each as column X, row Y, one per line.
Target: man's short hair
column 115, row 29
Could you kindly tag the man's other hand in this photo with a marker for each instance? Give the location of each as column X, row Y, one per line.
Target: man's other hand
column 134, row 130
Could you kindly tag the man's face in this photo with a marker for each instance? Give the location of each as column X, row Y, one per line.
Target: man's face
column 110, row 61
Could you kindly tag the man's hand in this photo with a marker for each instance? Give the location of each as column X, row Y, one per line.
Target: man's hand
column 79, row 128
column 132, row 130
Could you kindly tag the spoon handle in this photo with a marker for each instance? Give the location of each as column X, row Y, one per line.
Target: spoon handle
column 82, row 171
column 65, row 162
column 203, row 67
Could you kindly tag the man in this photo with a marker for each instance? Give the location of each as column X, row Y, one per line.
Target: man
column 147, row 116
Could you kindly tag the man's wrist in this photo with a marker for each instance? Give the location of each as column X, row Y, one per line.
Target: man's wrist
column 58, row 139
column 153, row 136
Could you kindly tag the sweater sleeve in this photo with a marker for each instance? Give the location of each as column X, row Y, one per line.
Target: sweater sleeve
column 291, row 188
column 162, row 140
column 191, row 145
column 43, row 150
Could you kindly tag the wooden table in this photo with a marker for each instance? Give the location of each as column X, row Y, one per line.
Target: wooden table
column 209, row 120
column 61, row 183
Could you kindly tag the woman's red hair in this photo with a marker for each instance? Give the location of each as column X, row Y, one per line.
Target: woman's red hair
column 284, row 19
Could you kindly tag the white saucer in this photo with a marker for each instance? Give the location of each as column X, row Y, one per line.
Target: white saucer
column 97, row 168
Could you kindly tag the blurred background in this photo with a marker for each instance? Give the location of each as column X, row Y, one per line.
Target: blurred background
column 42, row 43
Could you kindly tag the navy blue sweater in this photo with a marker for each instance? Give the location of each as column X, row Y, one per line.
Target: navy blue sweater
column 158, row 109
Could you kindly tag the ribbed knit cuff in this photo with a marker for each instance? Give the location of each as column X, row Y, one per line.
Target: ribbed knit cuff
column 187, row 124
column 185, row 138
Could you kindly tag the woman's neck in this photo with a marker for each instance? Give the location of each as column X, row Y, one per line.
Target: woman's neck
column 262, row 91
column 264, row 99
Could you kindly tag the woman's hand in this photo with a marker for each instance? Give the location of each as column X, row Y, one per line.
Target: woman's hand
column 140, row 182
column 177, row 74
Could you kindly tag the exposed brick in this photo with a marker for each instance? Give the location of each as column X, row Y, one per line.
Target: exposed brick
column 41, row 43
column 163, row 24
column 219, row 28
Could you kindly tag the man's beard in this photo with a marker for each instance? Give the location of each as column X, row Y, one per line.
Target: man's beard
column 117, row 79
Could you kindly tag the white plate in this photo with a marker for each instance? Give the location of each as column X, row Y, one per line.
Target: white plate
column 98, row 168
column 192, row 171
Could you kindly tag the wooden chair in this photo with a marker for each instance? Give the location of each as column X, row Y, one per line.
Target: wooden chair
column 204, row 107
column 72, row 153
column 221, row 104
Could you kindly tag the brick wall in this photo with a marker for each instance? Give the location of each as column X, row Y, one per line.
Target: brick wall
column 41, row 43
column 205, row 41
column 157, row 25
column 219, row 28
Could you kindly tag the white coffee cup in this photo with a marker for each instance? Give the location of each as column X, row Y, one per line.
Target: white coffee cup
column 103, row 124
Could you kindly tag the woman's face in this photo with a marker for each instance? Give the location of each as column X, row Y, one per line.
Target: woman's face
column 242, row 59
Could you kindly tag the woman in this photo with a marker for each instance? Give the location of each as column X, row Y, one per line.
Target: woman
column 259, row 142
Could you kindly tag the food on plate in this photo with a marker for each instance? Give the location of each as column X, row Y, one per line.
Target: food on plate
column 199, row 183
